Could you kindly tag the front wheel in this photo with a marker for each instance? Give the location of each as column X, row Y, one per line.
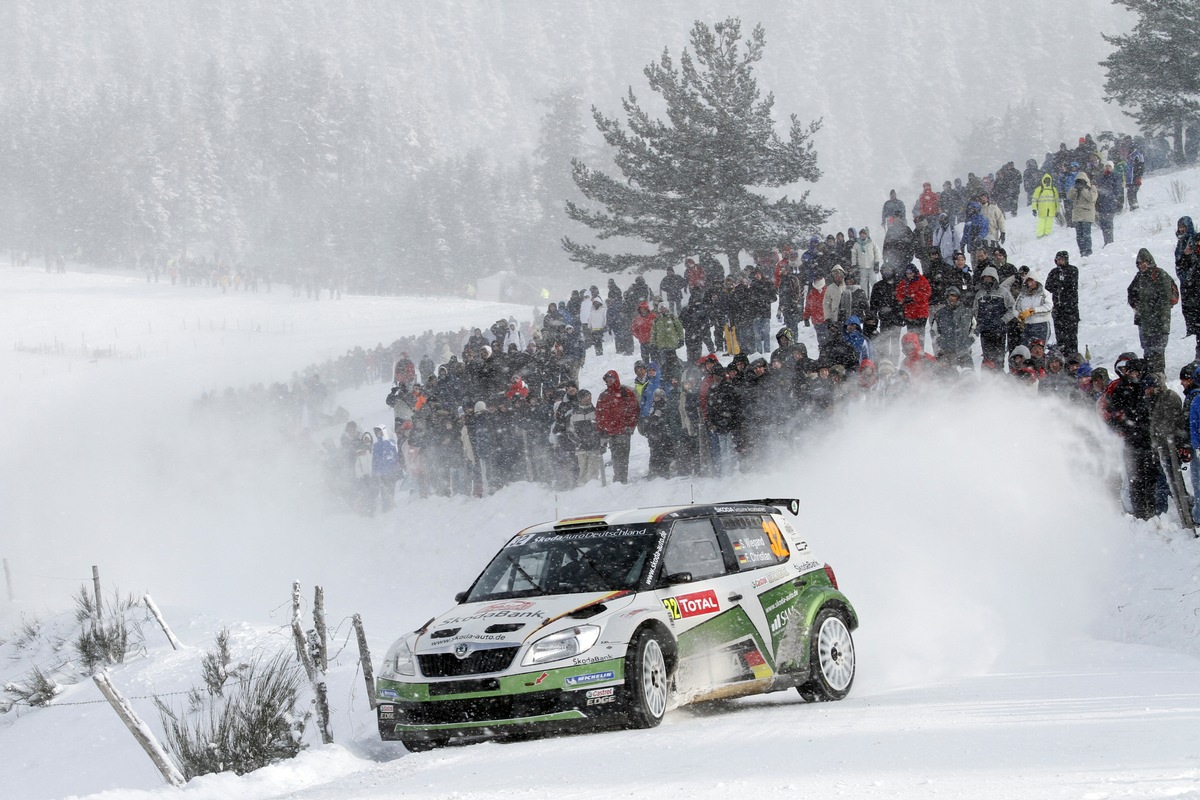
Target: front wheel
column 647, row 682
column 831, row 662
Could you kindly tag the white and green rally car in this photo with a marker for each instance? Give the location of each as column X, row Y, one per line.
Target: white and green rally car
column 611, row 619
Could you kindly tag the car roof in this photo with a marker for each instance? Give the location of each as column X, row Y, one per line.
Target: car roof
column 642, row 516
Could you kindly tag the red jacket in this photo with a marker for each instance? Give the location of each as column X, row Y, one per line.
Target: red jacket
column 643, row 323
column 814, row 305
column 927, row 203
column 917, row 362
column 617, row 408
column 694, row 274
column 913, row 297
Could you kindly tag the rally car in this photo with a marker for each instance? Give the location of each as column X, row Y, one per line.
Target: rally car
column 612, row 619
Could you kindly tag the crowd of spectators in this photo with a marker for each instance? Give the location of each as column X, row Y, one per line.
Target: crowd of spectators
column 721, row 382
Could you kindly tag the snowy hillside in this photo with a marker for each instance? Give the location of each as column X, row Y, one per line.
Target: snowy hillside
column 1020, row 635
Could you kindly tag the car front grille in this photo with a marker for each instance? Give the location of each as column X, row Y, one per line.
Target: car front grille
column 480, row 662
column 483, row 709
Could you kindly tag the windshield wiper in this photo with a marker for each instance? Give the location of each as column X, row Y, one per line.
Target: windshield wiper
column 525, row 574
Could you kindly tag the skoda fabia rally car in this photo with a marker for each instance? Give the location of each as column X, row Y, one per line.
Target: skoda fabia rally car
column 612, row 619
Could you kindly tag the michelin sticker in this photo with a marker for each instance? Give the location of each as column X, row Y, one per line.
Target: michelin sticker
column 591, row 677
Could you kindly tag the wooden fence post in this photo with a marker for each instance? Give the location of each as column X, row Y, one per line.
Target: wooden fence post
column 162, row 623
column 317, row 679
column 364, row 657
column 139, row 729
column 96, row 619
column 319, row 622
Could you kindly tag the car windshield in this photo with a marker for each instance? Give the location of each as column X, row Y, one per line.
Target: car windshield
column 603, row 560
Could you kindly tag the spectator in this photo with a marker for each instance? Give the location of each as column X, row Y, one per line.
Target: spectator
column 893, row 208
column 917, row 363
column 912, row 295
column 1082, row 199
column 1031, row 178
column 1151, row 295
column 884, row 319
column 951, row 329
column 666, row 333
column 672, row 288
column 814, row 310
column 641, row 327
column 1110, row 191
column 1191, row 388
column 760, row 295
column 864, row 257
column 1129, row 415
column 1045, row 204
column 385, row 467
column 831, row 301
column 927, row 202
column 993, row 310
column 975, row 229
column 1063, row 285
column 724, row 418
column 616, row 419
column 1187, row 269
column 1033, row 307
column 584, row 437
column 945, row 237
column 995, row 220
column 791, row 299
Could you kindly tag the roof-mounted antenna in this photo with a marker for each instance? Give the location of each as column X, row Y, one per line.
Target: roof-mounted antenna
column 692, row 489
column 556, row 505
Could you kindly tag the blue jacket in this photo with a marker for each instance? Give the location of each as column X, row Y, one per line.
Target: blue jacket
column 656, row 382
column 976, row 228
column 385, row 459
column 1193, row 415
column 856, row 339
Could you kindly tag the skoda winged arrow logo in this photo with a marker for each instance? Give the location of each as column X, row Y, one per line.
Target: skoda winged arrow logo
column 461, row 650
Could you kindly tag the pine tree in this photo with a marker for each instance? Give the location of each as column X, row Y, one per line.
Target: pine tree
column 1154, row 72
column 688, row 180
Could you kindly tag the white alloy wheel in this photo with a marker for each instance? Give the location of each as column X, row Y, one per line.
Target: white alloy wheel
column 835, row 653
column 654, row 678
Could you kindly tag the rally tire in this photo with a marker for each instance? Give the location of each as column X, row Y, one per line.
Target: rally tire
column 831, row 659
column 647, row 681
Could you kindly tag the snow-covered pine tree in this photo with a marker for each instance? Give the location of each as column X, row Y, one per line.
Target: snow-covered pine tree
column 1154, row 71
column 689, row 179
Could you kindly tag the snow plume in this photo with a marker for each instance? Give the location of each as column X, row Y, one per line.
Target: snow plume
column 972, row 528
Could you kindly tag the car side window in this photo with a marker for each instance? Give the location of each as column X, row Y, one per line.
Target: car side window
column 694, row 548
column 756, row 541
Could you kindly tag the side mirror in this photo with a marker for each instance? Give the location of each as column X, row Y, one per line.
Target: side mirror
column 458, row 598
column 677, row 577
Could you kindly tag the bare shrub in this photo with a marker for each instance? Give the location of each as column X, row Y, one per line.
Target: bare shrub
column 240, row 726
column 37, row 691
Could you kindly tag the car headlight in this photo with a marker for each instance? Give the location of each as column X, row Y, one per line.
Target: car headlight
column 399, row 660
column 564, row 644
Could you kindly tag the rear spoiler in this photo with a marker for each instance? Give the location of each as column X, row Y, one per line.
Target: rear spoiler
column 791, row 504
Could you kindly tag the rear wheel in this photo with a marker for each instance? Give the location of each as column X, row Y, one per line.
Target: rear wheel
column 831, row 661
column 647, row 681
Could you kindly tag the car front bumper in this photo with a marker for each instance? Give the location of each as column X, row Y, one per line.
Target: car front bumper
column 552, row 699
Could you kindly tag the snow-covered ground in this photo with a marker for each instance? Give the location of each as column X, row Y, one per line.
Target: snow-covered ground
column 1020, row 636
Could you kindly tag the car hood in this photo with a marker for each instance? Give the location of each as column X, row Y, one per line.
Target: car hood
column 508, row 622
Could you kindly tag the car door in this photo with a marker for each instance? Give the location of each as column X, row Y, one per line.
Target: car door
column 718, row 644
column 764, row 579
